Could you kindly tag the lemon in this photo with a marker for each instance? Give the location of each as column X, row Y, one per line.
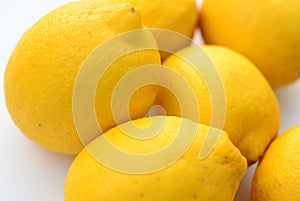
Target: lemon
column 178, row 15
column 215, row 177
column 252, row 111
column 267, row 32
column 278, row 173
column 42, row 70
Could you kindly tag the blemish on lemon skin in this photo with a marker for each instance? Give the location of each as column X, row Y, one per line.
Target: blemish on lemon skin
column 133, row 9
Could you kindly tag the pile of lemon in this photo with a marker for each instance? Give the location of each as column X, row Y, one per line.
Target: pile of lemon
column 84, row 77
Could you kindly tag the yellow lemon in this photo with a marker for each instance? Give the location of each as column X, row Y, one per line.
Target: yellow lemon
column 178, row 15
column 277, row 175
column 252, row 111
column 42, row 70
column 267, row 32
column 215, row 177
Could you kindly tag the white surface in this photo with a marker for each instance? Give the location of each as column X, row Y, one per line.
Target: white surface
column 30, row 173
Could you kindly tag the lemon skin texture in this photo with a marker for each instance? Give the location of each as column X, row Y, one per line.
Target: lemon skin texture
column 215, row 177
column 177, row 20
column 278, row 173
column 252, row 113
column 267, row 32
column 178, row 15
column 41, row 72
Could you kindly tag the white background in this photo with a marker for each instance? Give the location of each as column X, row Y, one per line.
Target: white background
column 31, row 173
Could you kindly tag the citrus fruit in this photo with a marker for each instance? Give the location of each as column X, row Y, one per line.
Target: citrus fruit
column 277, row 175
column 215, row 177
column 42, row 71
column 252, row 111
column 178, row 16
column 267, row 32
